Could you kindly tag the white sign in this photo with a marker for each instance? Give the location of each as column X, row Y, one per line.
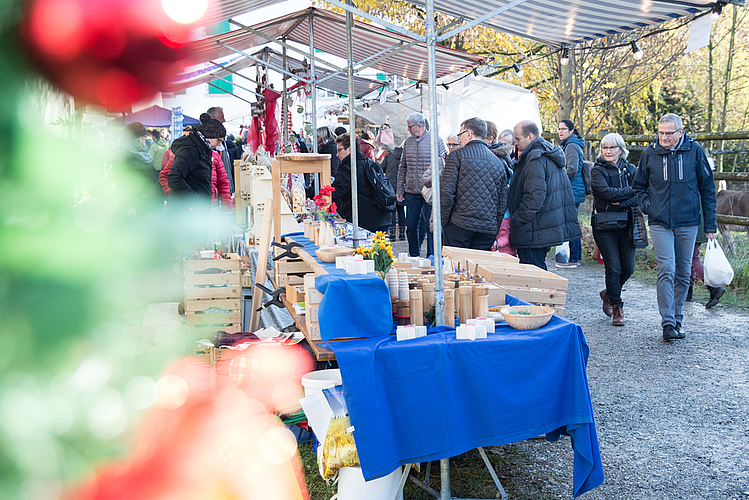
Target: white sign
column 699, row 34
column 466, row 85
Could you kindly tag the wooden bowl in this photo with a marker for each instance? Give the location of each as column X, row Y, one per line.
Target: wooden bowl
column 538, row 317
column 328, row 254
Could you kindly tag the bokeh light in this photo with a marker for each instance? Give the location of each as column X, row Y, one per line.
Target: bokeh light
column 171, row 392
column 140, row 393
column 107, row 417
column 185, row 11
column 278, row 445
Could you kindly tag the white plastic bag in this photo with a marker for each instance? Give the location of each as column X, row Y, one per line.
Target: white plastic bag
column 563, row 253
column 718, row 271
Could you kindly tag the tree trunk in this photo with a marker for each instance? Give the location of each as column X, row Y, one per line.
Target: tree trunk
column 727, row 86
column 565, row 88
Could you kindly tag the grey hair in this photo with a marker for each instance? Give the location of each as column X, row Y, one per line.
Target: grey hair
column 214, row 111
column 476, row 125
column 416, row 119
column 453, row 136
column 672, row 118
column 616, row 140
column 505, row 132
column 325, row 134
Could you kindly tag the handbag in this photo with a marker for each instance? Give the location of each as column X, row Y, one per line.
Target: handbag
column 638, row 232
column 610, row 221
column 426, row 193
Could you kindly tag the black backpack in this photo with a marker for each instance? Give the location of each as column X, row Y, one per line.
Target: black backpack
column 587, row 166
column 383, row 193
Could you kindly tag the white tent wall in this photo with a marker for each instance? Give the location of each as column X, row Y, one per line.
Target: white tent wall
column 503, row 103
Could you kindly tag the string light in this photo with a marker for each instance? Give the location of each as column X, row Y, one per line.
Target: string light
column 518, row 70
column 418, row 85
column 717, row 9
column 476, row 74
column 565, row 56
column 447, row 87
column 636, row 50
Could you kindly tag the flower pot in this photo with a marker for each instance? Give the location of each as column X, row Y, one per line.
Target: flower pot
column 327, row 235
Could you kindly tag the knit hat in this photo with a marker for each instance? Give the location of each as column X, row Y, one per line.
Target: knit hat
column 211, row 128
column 136, row 129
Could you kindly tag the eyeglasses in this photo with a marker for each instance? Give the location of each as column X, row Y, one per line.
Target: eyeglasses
column 562, row 128
column 461, row 133
column 341, row 149
column 609, row 148
column 667, row 134
column 410, row 126
column 450, row 145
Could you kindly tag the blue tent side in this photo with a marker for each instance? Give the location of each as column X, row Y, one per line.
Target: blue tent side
column 156, row 116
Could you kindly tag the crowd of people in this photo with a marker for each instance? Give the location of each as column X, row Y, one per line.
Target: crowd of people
column 510, row 191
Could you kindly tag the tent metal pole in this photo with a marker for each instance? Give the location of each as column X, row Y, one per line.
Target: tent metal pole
column 352, row 126
column 284, row 113
column 393, row 27
column 264, row 63
column 374, row 57
column 227, row 92
column 480, row 20
column 238, row 74
column 439, row 289
column 313, row 85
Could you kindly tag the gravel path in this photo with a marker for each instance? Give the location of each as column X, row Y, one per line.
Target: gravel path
column 672, row 417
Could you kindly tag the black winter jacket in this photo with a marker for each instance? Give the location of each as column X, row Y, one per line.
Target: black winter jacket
column 191, row 171
column 612, row 184
column 330, row 148
column 670, row 187
column 541, row 203
column 473, row 189
column 370, row 216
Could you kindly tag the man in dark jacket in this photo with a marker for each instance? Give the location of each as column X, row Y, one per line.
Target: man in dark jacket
column 540, row 200
column 217, row 113
column 473, row 193
column 371, row 217
column 390, row 166
column 190, row 175
column 673, row 181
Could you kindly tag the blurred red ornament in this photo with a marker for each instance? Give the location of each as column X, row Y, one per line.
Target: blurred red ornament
column 111, row 52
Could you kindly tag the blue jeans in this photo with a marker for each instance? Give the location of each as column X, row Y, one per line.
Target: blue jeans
column 619, row 259
column 533, row 256
column 673, row 257
column 418, row 212
column 576, row 247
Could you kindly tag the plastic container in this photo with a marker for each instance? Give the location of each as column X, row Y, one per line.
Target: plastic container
column 352, row 486
column 316, row 381
column 206, row 254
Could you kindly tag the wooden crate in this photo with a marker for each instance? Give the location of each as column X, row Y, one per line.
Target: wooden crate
column 522, row 275
column 460, row 255
column 207, row 290
column 295, row 293
column 312, row 304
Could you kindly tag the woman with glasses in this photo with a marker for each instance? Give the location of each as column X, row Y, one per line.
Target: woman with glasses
column 453, row 143
column 611, row 181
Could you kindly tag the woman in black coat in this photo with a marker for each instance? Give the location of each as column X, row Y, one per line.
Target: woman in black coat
column 371, row 217
column 611, row 180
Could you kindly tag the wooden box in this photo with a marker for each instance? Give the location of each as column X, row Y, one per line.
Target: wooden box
column 212, row 294
column 295, row 293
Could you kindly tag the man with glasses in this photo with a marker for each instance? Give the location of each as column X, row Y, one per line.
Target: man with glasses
column 672, row 183
column 415, row 160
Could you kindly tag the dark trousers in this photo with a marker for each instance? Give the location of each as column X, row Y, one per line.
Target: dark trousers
column 399, row 215
column 534, row 256
column 576, row 247
column 619, row 260
column 454, row 236
column 418, row 212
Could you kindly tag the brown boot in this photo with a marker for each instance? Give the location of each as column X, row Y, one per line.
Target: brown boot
column 607, row 309
column 618, row 316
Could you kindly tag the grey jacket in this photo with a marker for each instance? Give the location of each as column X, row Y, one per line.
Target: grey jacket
column 540, row 200
column 415, row 160
column 473, row 193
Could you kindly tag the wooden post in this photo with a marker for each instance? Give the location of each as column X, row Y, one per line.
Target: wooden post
column 482, row 294
column 417, row 307
column 262, row 264
column 450, row 307
column 428, row 290
column 465, row 303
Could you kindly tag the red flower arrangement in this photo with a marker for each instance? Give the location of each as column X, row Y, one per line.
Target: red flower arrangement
column 326, row 207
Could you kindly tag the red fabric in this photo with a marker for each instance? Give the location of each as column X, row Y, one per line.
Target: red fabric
column 255, row 134
column 220, row 183
column 166, row 166
column 368, row 150
column 503, row 239
column 272, row 129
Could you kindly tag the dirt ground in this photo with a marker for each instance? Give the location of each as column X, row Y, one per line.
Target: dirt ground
column 672, row 417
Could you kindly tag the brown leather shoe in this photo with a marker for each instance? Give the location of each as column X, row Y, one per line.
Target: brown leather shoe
column 618, row 316
column 607, row 309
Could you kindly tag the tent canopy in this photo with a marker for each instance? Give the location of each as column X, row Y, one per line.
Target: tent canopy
column 337, row 83
column 329, row 35
column 156, row 116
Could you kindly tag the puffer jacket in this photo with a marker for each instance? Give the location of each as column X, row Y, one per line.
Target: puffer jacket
column 415, row 159
column 330, row 148
column 370, row 215
column 541, row 203
column 190, row 174
column 473, row 192
column 573, row 147
column 391, row 164
column 672, row 186
column 220, row 184
column 612, row 184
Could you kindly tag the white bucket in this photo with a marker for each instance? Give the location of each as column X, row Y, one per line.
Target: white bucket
column 352, row 486
column 322, row 379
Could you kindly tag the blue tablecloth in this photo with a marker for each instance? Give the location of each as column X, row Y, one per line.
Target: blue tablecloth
column 352, row 305
column 437, row 397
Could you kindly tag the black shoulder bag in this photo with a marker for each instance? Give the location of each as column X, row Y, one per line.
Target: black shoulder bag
column 610, row 221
